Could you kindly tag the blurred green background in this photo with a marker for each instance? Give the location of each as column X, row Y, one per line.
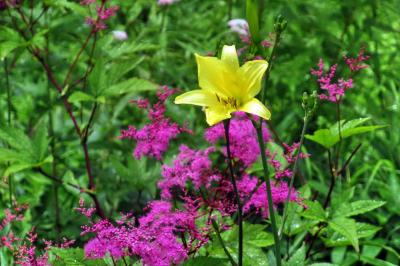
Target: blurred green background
column 160, row 50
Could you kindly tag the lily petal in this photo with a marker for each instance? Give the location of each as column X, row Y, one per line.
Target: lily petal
column 216, row 114
column 197, row 97
column 230, row 57
column 255, row 107
column 253, row 72
column 211, row 71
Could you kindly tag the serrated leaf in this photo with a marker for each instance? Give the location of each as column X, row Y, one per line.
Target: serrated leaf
column 348, row 228
column 40, row 142
column 358, row 207
column 329, row 137
column 14, row 168
column 314, row 211
column 298, row 258
column 9, row 41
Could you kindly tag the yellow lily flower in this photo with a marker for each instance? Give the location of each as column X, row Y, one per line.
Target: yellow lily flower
column 227, row 87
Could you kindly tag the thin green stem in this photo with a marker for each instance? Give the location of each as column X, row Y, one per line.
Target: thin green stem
column 338, row 114
column 230, row 4
column 269, row 193
column 221, row 241
column 6, row 73
column 270, row 61
column 240, row 214
column 295, row 167
column 57, row 211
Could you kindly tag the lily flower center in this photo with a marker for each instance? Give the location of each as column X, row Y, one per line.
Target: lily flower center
column 228, row 102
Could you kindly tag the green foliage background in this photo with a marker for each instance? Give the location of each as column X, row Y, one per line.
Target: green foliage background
column 160, row 50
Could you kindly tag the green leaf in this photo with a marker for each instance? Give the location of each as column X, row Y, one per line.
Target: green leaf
column 314, row 211
column 7, row 47
column 130, row 85
column 9, row 41
column 358, row 207
column 73, row 257
column 329, row 137
column 76, row 8
column 40, row 142
column 79, row 96
column 348, row 228
column 298, row 258
column 252, row 11
column 14, row 168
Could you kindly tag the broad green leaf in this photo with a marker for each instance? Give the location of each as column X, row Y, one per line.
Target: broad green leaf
column 17, row 140
column 79, row 96
column 363, row 230
column 253, row 235
column 40, row 142
column 298, row 258
column 130, row 85
column 375, row 261
column 314, row 211
column 358, row 207
column 348, row 228
column 329, row 137
column 7, row 47
column 73, row 257
column 252, row 11
column 9, row 40
column 14, row 168
column 7, row 155
column 76, row 8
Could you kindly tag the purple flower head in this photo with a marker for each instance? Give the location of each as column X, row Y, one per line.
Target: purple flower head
column 243, row 138
column 190, row 165
column 258, row 201
column 153, row 139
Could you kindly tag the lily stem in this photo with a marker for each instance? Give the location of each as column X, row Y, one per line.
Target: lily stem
column 240, row 214
column 295, row 167
column 269, row 194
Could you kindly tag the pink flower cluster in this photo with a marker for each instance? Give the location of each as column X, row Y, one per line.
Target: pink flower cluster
column 190, row 165
column 153, row 139
column 102, row 12
column 243, row 138
column 154, row 240
column 336, row 89
column 23, row 248
column 355, row 64
column 166, row 2
column 289, row 155
column 257, row 203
